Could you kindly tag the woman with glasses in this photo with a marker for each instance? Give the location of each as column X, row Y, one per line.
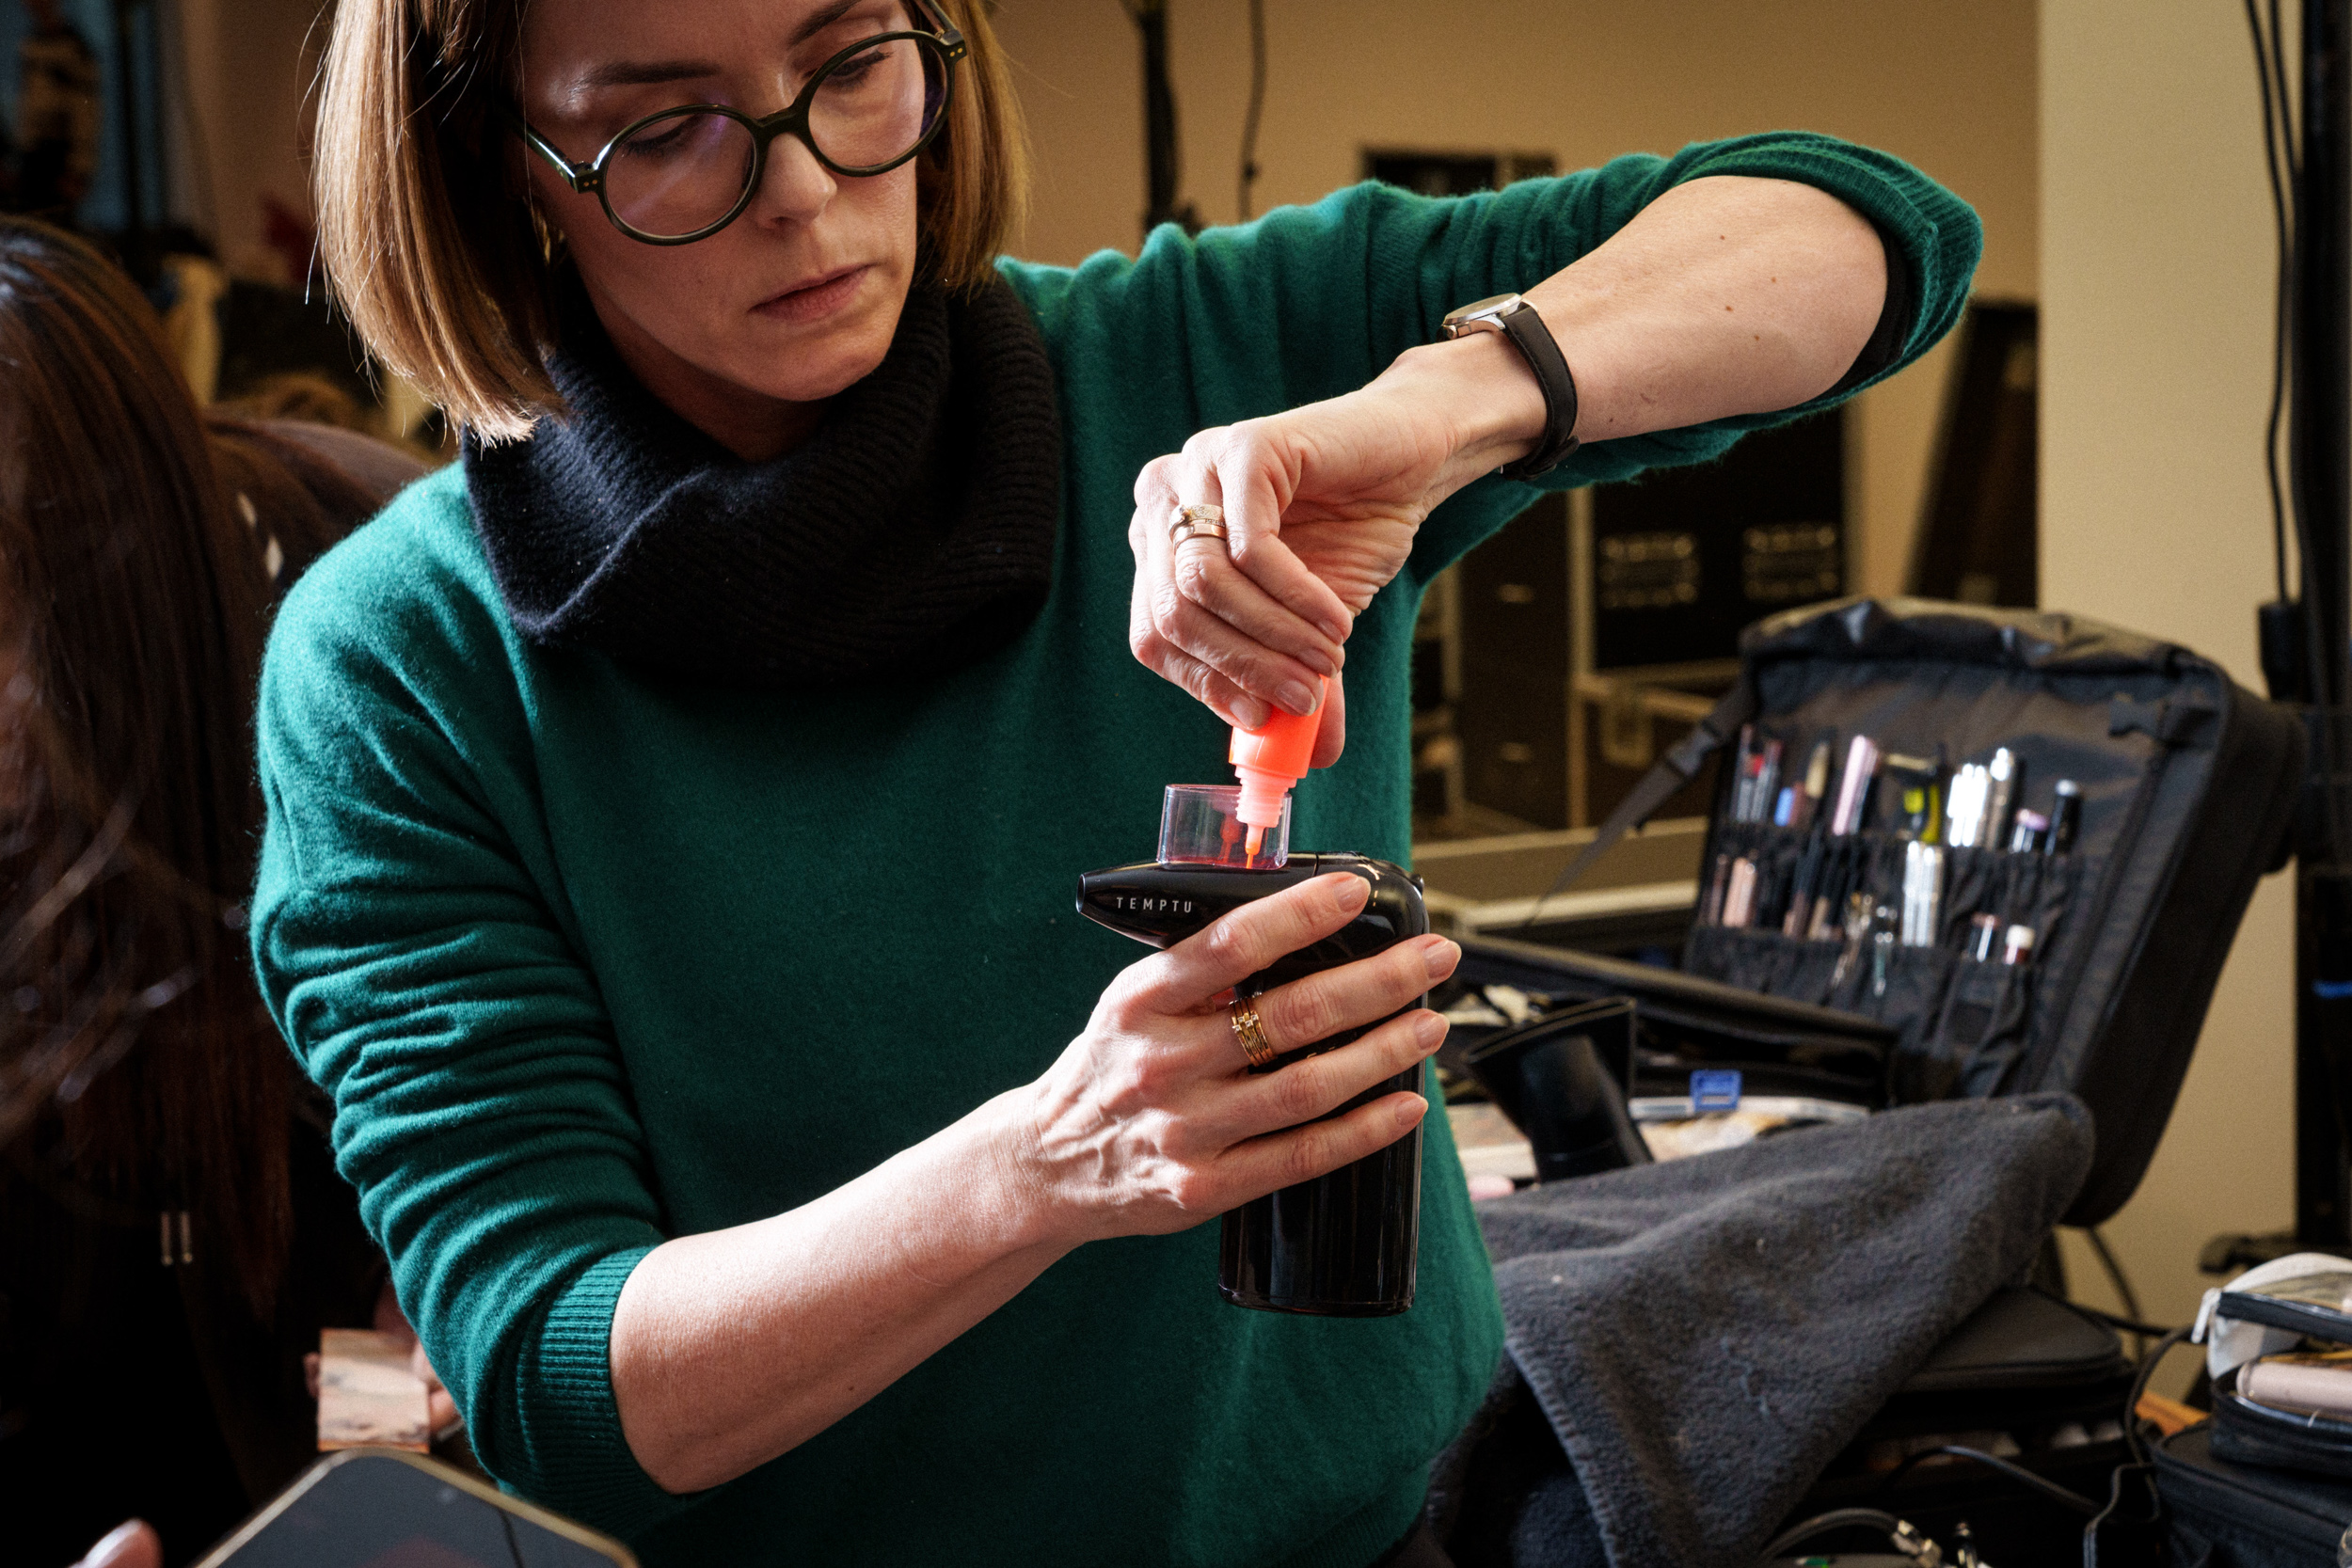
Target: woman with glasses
column 673, row 807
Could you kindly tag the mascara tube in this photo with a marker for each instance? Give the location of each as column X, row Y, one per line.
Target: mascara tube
column 1853, row 790
column 1711, row 908
column 1742, row 774
column 1815, row 786
column 1740, row 902
column 1983, row 931
column 2006, row 774
column 2066, row 817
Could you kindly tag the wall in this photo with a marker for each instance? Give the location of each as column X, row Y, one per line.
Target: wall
column 1950, row 86
column 2155, row 371
column 250, row 65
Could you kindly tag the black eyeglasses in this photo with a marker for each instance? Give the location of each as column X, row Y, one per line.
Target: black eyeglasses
column 686, row 174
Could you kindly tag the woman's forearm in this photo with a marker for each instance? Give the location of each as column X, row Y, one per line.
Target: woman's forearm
column 1726, row 295
column 732, row 1347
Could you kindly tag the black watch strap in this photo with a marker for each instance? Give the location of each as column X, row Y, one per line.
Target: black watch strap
column 1516, row 319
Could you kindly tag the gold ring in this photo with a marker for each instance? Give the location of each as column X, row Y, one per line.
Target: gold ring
column 1246, row 1029
column 1204, row 521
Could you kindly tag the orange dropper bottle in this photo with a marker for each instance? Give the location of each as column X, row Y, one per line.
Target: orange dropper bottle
column 1270, row 761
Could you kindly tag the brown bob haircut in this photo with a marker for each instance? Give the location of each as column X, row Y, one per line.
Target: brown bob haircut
column 429, row 238
column 135, row 594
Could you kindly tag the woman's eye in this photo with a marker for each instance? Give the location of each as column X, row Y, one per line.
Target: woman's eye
column 851, row 71
column 657, row 141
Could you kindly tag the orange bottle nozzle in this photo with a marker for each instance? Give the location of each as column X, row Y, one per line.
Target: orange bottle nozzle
column 1270, row 761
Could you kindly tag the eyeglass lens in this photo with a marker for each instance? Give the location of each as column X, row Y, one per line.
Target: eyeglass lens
column 683, row 172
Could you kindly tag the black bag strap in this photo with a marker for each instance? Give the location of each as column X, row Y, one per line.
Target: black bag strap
column 1666, row 776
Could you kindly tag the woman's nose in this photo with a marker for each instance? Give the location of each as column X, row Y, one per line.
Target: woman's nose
column 794, row 187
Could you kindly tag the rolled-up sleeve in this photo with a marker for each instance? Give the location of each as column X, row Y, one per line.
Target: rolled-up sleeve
column 407, row 947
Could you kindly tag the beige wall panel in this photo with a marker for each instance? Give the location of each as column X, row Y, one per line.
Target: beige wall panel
column 2156, row 364
column 1949, row 86
column 251, row 65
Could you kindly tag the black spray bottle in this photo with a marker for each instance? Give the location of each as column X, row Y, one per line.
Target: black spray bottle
column 1344, row 1245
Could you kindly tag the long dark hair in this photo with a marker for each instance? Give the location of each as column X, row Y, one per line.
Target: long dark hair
column 137, row 575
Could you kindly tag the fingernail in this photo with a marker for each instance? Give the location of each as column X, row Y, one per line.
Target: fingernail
column 115, row 1546
column 1336, row 630
column 1409, row 1112
column 1439, row 958
column 1353, row 893
column 1250, row 714
column 1431, row 1030
column 1298, row 697
column 1319, row 661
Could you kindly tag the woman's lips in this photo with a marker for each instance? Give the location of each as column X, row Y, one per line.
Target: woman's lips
column 815, row 302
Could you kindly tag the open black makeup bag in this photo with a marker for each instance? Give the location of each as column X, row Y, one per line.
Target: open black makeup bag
column 2184, row 784
column 2183, row 787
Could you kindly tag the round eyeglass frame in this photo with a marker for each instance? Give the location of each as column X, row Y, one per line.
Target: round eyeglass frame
column 587, row 179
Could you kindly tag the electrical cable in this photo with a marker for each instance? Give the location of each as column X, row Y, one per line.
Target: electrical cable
column 2139, row 1385
column 2064, row 1497
column 2140, row 1464
column 2115, row 1501
column 2129, row 1325
column 1838, row 1518
column 2282, row 124
column 1256, row 103
column 2264, row 61
column 2288, row 128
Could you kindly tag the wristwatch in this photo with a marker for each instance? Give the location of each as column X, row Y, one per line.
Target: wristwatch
column 1516, row 319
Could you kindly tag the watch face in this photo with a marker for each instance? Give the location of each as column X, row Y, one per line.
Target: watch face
column 1494, row 305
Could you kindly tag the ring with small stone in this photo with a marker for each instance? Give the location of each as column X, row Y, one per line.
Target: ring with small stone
column 1251, row 1034
column 1201, row 521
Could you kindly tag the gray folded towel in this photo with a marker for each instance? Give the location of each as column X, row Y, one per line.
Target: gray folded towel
column 1705, row 1334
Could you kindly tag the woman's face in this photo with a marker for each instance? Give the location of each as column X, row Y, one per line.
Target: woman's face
column 800, row 296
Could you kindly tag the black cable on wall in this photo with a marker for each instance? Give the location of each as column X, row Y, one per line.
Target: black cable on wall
column 1256, row 103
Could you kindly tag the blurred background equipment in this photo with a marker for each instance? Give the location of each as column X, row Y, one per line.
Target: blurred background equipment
column 1978, row 543
column 102, row 133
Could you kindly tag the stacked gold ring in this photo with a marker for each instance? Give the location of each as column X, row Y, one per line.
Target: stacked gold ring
column 1202, row 521
column 1251, row 1034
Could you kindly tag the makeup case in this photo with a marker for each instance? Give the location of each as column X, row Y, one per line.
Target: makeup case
column 2184, row 787
column 2218, row 1513
column 2273, row 1340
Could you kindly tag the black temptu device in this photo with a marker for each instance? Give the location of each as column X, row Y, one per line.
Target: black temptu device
column 1344, row 1245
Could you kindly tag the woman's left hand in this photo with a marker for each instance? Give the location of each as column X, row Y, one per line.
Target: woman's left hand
column 1321, row 505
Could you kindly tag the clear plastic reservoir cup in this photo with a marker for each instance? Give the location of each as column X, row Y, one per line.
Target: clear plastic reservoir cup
column 1198, row 826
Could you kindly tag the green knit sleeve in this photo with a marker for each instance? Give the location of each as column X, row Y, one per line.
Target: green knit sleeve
column 408, row 947
column 1312, row 302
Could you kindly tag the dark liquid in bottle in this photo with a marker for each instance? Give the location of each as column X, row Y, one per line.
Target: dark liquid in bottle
column 1342, row 1245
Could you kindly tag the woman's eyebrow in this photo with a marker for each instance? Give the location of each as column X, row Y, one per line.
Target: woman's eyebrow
column 822, row 18
column 634, row 74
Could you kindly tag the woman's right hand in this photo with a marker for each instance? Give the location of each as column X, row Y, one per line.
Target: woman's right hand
column 1149, row 1121
column 132, row 1543
column 730, row 1347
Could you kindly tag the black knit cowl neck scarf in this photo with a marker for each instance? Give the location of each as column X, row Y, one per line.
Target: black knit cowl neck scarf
column 911, row 535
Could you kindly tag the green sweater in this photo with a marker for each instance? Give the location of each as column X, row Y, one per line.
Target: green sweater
column 589, row 958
